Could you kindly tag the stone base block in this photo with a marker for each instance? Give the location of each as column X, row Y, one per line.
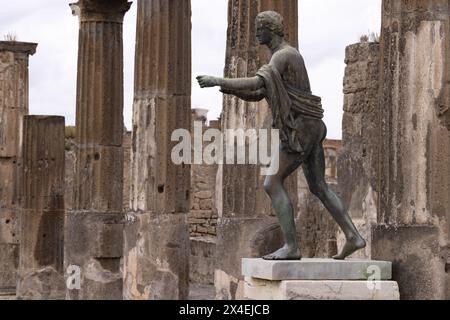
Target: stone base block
column 318, row 279
column 94, row 246
column 317, row 269
column 257, row 289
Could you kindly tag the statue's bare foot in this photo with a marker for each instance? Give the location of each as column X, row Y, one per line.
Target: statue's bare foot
column 285, row 253
column 350, row 247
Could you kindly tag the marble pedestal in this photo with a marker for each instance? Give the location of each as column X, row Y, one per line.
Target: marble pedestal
column 319, row 279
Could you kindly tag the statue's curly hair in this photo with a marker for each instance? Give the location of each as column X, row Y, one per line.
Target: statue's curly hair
column 273, row 21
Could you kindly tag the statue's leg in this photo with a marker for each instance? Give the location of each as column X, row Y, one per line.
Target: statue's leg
column 314, row 169
column 282, row 205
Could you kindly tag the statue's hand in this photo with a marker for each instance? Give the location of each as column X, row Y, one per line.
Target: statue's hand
column 207, row 81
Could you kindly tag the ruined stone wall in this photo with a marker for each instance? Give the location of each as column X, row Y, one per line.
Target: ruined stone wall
column 203, row 214
column 358, row 160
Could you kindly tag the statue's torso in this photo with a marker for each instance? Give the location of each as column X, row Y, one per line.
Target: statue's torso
column 299, row 134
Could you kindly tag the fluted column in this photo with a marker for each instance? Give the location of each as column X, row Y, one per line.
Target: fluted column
column 414, row 182
column 13, row 107
column 247, row 227
column 156, row 236
column 41, row 274
column 95, row 226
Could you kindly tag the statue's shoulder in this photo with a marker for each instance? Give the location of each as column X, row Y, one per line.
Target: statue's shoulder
column 287, row 55
column 294, row 52
column 288, row 51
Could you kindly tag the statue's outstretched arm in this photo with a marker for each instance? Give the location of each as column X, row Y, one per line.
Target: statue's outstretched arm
column 241, row 84
column 247, row 95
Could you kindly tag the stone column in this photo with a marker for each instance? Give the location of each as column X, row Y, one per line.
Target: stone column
column 41, row 274
column 13, row 106
column 358, row 160
column 95, row 225
column 127, row 170
column 246, row 226
column 156, row 236
column 414, row 183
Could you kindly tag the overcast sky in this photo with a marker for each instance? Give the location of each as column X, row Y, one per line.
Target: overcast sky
column 326, row 28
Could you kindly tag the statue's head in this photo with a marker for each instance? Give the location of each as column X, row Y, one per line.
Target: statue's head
column 269, row 24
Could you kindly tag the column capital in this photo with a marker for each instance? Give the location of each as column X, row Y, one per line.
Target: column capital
column 18, row 47
column 100, row 10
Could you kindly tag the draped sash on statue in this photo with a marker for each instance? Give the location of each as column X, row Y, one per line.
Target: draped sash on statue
column 288, row 104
